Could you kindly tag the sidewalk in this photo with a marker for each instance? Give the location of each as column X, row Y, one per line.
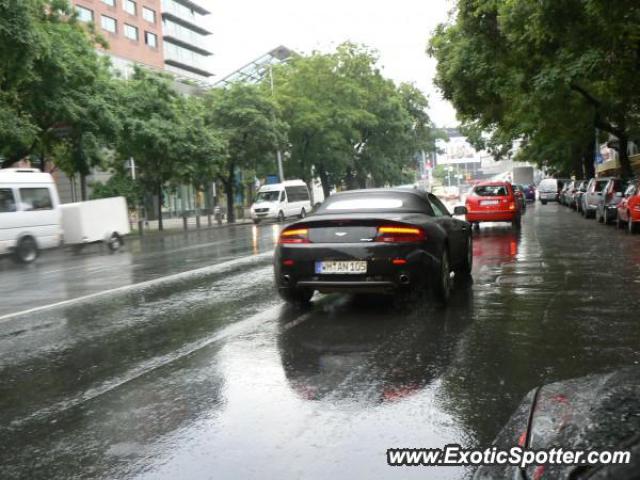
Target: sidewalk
column 177, row 224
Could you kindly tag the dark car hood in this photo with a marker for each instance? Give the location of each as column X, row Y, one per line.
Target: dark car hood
column 593, row 412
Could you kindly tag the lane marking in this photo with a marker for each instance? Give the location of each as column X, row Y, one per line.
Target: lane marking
column 145, row 284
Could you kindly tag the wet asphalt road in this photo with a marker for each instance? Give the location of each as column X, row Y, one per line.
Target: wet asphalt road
column 208, row 374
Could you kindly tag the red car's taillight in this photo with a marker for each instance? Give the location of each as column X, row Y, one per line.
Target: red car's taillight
column 399, row 234
column 294, row 235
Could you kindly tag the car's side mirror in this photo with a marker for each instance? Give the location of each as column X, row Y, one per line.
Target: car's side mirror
column 460, row 210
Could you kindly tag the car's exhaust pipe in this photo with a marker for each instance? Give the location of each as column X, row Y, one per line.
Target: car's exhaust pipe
column 404, row 279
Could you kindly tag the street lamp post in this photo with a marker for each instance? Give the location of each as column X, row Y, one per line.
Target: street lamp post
column 278, row 152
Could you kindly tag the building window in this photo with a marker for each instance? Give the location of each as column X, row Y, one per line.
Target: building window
column 111, row 3
column 151, row 39
column 130, row 7
column 130, row 32
column 84, row 14
column 109, row 24
column 149, row 15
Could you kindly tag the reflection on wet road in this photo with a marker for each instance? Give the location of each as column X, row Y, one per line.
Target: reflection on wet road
column 211, row 376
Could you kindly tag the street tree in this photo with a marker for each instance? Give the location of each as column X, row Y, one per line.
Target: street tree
column 543, row 72
column 54, row 87
column 349, row 124
column 153, row 132
column 248, row 130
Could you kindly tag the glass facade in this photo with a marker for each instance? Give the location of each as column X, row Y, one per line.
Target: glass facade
column 182, row 55
column 180, row 10
column 185, row 38
column 182, row 33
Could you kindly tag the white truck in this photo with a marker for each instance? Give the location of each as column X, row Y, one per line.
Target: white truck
column 105, row 220
column 522, row 176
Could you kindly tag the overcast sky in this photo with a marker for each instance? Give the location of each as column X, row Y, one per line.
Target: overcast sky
column 245, row 29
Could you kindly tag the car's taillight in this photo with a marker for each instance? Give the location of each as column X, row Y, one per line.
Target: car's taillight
column 512, row 206
column 294, row 235
column 399, row 234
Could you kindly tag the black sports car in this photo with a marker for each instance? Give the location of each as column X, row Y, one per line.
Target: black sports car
column 379, row 240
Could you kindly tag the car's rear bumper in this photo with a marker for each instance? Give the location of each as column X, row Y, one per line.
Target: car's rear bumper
column 382, row 274
column 548, row 196
column 499, row 216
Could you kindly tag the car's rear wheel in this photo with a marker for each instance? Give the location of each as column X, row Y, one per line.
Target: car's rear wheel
column 467, row 264
column 442, row 287
column 26, row 250
column 296, row 296
column 544, row 202
column 256, row 221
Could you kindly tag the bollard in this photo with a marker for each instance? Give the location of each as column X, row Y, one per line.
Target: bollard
column 197, row 220
column 209, row 219
column 140, row 227
column 184, row 222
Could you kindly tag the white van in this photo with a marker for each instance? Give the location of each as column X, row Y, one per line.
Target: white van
column 30, row 217
column 281, row 200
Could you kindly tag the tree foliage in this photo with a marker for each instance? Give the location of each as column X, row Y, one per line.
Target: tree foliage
column 245, row 118
column 54, row 87
column 348, row 124
column 544, row 72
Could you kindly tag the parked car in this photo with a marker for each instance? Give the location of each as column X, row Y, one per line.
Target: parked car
column 571, row 193
column 591, row 196
column 565, row 192
column 607, row 203
column 30, row 218
column 379, row 240
column 530, row 193
column 577, row 198
column 279, row 201
column 629, row 207
column 493, row 202
column 593, row 413
column 549, row 190
column 518, row 191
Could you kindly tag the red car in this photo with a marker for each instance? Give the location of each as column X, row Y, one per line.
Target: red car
column 493, row 202
column 629, row 207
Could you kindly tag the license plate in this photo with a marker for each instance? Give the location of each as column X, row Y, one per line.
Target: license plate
column 489, row 202
column 349, row 267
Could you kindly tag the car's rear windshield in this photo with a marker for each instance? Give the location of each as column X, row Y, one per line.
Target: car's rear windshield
column 372, row 202
column 548, row 184
column 490, row 190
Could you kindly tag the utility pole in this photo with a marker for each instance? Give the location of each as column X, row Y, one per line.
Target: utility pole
column 278, row 152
